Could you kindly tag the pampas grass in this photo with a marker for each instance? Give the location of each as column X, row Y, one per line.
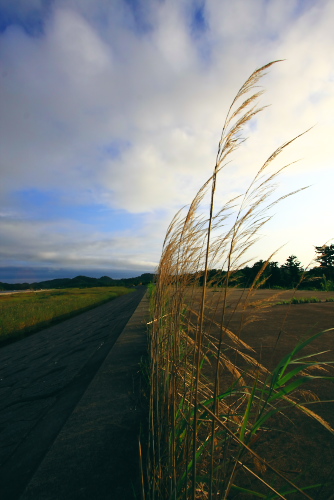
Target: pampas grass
column 210, row 399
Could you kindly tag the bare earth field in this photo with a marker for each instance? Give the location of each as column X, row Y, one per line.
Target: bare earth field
column 297, row 445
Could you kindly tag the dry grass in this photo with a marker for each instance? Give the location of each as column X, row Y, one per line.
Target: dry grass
column 211, row 400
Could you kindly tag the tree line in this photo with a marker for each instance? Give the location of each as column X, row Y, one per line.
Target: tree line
column 80, row 282
column 265, row 274
column 289, row 275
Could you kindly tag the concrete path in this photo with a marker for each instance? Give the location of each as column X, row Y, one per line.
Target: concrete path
column 42, row 380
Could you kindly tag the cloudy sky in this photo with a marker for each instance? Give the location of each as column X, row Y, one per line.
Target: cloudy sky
column 110, row 116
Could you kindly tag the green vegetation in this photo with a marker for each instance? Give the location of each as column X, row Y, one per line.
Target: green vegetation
column 26, row 312
column 326, row 259
column 288, row 276
column 80, row 282
column 213, row 405
column 304, row 300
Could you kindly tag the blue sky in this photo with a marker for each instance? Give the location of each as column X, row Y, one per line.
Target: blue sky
column 111, row 112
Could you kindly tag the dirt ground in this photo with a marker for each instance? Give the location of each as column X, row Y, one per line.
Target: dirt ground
column 297, row 445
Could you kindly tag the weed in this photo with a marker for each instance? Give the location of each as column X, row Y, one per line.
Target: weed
column 211, row 401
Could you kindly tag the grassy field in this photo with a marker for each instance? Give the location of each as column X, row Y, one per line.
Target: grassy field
column 27, row 312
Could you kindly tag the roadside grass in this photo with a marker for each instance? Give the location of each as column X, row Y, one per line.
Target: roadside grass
column 27, row 312
column 304, row 300
column 213, row 405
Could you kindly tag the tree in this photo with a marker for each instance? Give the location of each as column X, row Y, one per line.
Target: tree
column 273, row 275
column 268, row 274
column 291, row 271
column 250, row 273
column 326, row 259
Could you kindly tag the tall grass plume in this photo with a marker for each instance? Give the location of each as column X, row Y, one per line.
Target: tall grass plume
column 211, row 399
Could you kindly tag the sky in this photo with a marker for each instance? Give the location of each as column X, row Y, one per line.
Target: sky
column 110, row 116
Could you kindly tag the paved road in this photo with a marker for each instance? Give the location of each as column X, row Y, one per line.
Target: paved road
column 42, row 377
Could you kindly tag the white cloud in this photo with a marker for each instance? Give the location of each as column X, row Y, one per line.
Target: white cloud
column 103, row 75
column 71, row 245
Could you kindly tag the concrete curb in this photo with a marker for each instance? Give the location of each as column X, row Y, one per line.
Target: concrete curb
column 95, row 455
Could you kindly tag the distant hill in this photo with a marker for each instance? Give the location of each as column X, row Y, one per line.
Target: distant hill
column 79, row 282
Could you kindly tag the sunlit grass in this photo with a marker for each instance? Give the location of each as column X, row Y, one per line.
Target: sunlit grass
column 212, row 402
column 22, row 313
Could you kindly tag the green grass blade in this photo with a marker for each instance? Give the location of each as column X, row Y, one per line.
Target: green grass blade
column 289, row 388
column 285, row 362
column 249, row 492
column 259, row 423
column 293, row 373
column 247, row 413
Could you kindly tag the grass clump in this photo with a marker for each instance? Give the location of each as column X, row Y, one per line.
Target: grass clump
column 27, row 312
column 211, row 400
column 304, row 300
column 300, row 300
